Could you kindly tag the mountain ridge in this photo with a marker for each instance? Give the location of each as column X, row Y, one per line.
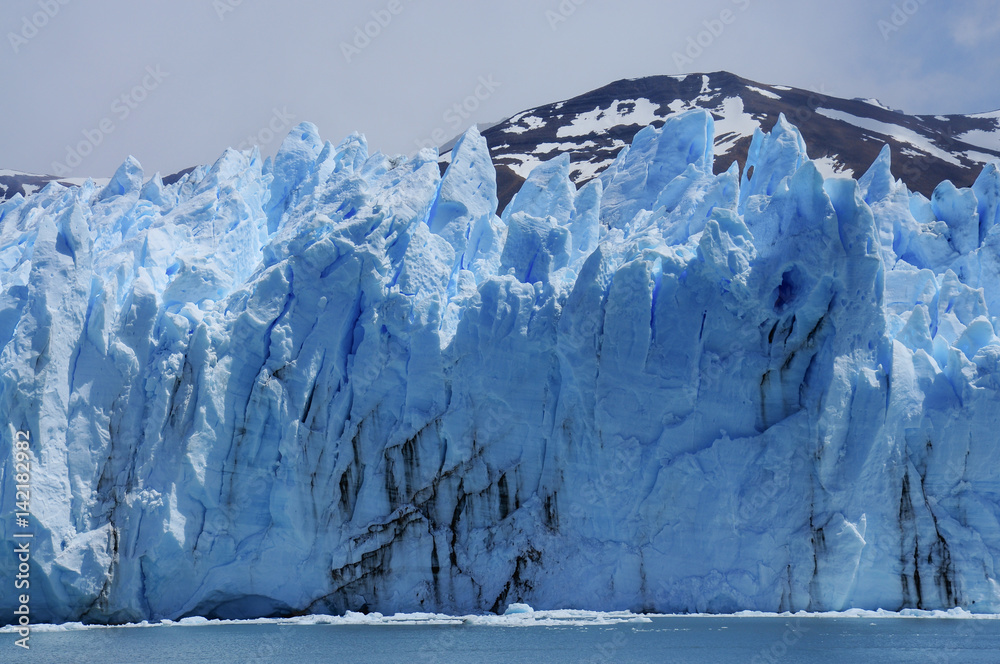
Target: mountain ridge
column 845, row 134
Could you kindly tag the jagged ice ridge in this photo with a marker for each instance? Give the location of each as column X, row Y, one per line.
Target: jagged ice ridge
column 339, row 381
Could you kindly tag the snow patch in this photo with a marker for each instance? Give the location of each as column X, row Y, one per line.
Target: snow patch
column 763, row 92
column 640, row 112
column 829, row 167
column 524, row 123
column 982, row 139
column 901, row 134
column 980, row 157
column 733, row 125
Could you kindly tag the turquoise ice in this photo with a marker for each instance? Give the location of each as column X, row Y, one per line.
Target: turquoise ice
column 340, row 381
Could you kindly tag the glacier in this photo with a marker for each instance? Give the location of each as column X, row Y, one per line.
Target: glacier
column 339, row 381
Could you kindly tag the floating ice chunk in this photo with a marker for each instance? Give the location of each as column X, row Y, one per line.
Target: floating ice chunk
column 518, row 609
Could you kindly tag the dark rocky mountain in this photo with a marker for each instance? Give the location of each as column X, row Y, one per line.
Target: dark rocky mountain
column 844, row 135
column 13, row 183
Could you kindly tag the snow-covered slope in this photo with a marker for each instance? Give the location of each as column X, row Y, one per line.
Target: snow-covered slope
column 844, row 135
column 340, row 381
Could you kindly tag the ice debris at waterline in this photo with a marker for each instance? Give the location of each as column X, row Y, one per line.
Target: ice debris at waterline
column 339, row 381
column 551, row 618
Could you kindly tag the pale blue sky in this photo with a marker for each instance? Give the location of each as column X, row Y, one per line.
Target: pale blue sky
column 174, row 82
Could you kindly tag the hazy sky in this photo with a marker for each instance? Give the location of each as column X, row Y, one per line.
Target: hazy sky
column 175, row 82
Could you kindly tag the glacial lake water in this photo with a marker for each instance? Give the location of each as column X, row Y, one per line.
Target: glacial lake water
column 681, row 639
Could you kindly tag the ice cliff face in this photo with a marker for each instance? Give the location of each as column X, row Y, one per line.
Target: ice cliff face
column 340, row 381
